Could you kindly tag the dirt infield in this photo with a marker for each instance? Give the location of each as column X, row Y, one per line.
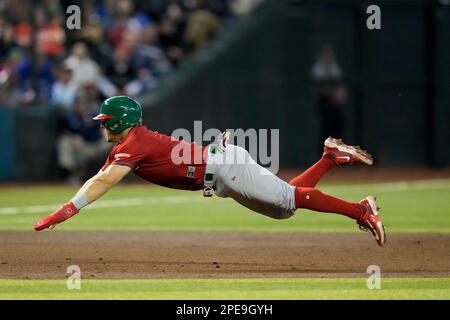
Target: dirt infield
column 46, row 255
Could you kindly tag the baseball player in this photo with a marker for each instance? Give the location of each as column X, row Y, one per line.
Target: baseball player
column 223, row 169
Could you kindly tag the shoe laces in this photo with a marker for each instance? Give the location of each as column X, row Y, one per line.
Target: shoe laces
column 361, row 223
column 363, row 228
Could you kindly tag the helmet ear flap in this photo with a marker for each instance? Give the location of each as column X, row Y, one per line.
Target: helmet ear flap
column 113, row 125
column 117, row 124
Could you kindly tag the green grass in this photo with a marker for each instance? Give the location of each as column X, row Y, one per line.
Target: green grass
column 419, row 207
column 227, row 289
column 412, row 207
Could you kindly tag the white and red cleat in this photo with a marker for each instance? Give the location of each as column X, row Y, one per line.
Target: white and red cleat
column 342, row 154
column 370, row 220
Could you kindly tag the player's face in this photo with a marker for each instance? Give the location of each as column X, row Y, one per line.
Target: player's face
column 111, row 136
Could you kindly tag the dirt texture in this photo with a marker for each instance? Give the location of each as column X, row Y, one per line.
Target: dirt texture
column 129, row 255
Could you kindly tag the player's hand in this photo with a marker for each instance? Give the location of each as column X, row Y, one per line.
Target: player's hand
column 65, row 212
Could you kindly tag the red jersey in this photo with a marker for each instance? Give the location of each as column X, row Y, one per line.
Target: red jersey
column 160, row 159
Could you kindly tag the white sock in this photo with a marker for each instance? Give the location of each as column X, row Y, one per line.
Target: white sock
column 80, row 200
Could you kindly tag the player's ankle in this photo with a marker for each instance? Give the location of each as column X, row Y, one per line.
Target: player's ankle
column 329, row 156
column 363, row 210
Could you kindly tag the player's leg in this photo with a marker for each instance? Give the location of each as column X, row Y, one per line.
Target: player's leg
column 364, row 212
column 253, row 186
column 313, row 174
column 314, row 199
column 335, row 152
column 260, row 190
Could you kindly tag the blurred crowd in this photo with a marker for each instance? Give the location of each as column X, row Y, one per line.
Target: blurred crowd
column 122, row 47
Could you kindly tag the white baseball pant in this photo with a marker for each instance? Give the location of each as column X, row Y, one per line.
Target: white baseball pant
column 238, row 176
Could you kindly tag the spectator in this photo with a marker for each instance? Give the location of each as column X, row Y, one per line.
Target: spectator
column 202, row 26
column 81, row 143
column 326, row 69
column 243, row 7
column 51, row 37
column 43, row 71
column 37, row 76
column 15, row 82
column 23, row 33
column 331, row 93
column 172, row 29
column 92, row 31
column 143, row 83
column 120, row 71
column 92, row 98
column 149, row 54
column 12, row 95
column 63, row 91
column 6, row 37
column 135, row 42
column 85, row 71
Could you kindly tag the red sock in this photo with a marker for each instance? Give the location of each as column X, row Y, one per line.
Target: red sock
column 311, row 177
column 313, row 199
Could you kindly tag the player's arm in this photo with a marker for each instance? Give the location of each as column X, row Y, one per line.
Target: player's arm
column 99, row 184
column 93, row 189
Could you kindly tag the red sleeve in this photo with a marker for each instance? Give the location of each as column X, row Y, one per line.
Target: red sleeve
column 109, row 159
column 130, row 155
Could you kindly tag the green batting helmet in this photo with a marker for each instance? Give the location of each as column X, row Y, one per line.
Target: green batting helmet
column 120, row 112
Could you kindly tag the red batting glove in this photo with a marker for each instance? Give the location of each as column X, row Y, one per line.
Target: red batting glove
column 65, row 212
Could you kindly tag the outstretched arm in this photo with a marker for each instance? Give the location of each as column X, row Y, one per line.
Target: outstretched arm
column 93, row 189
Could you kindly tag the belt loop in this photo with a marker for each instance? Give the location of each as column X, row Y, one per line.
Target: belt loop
column 208, row 181
column 219, row 147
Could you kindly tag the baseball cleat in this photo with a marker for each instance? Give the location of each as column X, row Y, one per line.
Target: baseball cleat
column 342, row 154
column 370, row 220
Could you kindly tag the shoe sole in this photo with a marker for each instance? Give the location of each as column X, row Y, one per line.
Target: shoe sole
column 356, row 151
column 373, row 205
